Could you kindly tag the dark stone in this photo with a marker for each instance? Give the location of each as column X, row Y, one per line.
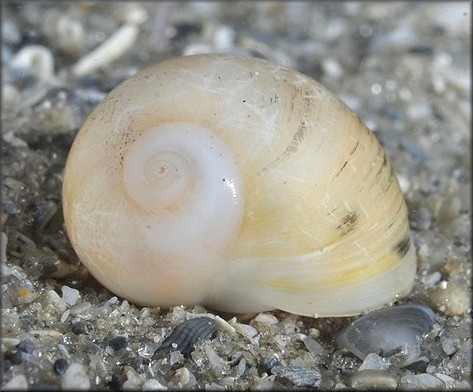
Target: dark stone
column 82, row 327
column 27, row 321
column 269, row 363
column 115, row 383
column 14, row 357
column 60, row 366
column 7, row 365
column 418, row 366
column 117, row 343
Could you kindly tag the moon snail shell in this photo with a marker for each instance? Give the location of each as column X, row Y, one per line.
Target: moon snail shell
column 238, row 184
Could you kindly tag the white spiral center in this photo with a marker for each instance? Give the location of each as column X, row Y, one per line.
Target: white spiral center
column 170, row 178
column 189, row 189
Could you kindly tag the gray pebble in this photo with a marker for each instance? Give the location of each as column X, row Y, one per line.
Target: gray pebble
column 27, row 346
column 82, row 327
column 450, row 344
column 117, row 343
column 374, row 362
column 60, row 366
column 44, row 213
column 152, row 385
column 18, row 382
column 422, row 381
column 270, row 362
column 299, row 376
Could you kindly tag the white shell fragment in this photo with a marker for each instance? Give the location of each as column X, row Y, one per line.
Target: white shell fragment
column 246, row 330
column 373, row 379
column 238, row 184
column 398, row 329
column 75, row 378
column 37, row 57
column 115, row 46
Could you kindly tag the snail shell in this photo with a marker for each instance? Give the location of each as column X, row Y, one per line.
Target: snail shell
column 239, row 184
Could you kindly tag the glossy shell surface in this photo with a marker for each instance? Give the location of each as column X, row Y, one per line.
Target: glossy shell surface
column 388, row 331
column 239, row 184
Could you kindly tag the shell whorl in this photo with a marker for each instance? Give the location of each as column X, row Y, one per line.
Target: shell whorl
column 186, row 183
column 304, row 213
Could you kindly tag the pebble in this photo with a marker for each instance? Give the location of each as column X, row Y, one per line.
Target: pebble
column 133, row 380
column 450, row 344
column 270, row 362
column 299, row 376
column 117, row 343
column 115, row 383
column 181, row 377
column 60, row 366
column 10, row 343
column 69, row 295
column 224, row 326
column 463, row 330
column 432, row 279
column 216, row 363
column 314, row 347
column 374, row 362
column 3, row 250
column 65, row 316
column 152, row 385
column 460, row 358
column 450, row 299
column 332, row 68
column 175, row 357
column 82, row 327
column 446, row 379
column 240, row 369
column 18, row 382
column 44, row 213
column 404, row 182
column 224, row 37
column 147, row 350
column 246, row 330
column 266, row 318
column 51, row 298
column 424, row 381
column 27, row 346
column 371, row 378
column 15, row 357
column 267, row 384
column 66, row 31
column 25, row 292
column 10, row 33
column 80, row 308
column 314, row 333
column 75, row 377
column 51, row 333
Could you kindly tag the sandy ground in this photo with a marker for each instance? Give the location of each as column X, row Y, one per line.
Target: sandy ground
column 402, row 66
